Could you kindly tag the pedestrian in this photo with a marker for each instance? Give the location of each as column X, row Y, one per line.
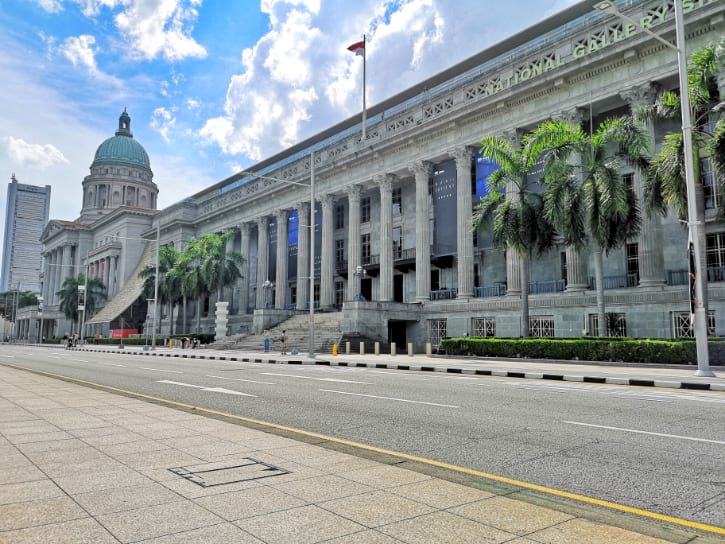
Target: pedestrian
column 283, row 340
column 265, row 338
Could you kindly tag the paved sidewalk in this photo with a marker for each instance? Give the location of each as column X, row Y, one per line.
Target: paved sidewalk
column 81, row 465
column 678, row 377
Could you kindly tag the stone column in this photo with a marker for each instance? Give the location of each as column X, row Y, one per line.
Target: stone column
column 245, row 229
column 513, row 259
column 262, row 257
column 353, row 238
column 303, row 255
column 386, row 236
column 281, row 279
column 46, row 279
column 649, row 241
column 422, row 171
column 577, row 276
column 464, row 233
column 327, row 266
column 59, row 277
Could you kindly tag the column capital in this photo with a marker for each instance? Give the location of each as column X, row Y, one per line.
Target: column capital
column 263, row 222
column 245, row 228
column 385, row 181
column 511, row 135
column 328, row 201
column 575, row 116
column 421, row 168
column 462, row 154
column 640, row 95
column 353, row 192
column 302, row 207
column 280, row 215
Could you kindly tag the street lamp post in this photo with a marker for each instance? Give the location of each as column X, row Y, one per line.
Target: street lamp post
column 40, row 315
column 698, row 316
column 359, row 274
column 267, row 286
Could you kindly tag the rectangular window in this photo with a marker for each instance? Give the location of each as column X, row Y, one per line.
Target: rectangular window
column 397, row 242
column 562, row 261
column 339, row 217
column 682, row 325
column 339, row 251
column 632, row 251
column 365, row 248
column 365, row 210
column 435, row 280
column 715, row 251
column 709, row 184
column 293, row 294
column 541, row 326
column 339, row 293
column 397, row 201
column 628, row 180
column 437, row 331
column 616, row 324
column 316, row 297
column 483, row 326
column 476, row 276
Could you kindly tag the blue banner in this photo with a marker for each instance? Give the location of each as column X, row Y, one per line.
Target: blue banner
column 293, row 225
column 444, row 208
column 484, row 168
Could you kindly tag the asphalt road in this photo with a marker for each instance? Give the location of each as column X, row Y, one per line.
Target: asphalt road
column 659, row 450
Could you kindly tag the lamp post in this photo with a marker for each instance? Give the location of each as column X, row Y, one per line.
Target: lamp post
column 267, row 286
column 15, row 314
column 40, row 315
column 312, row 240
column 698, row 315
column 359, row 274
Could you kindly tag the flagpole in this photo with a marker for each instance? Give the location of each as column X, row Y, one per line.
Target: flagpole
column 364, row 117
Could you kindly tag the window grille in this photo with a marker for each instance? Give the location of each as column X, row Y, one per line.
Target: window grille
column 616, row 324
column 709, row 184
column 682, row 325
column 484, row 326
column 339, row 293
column 437, row 331
column 339, row 251
column 365, row 248
column 541, row 326
column 632, row 251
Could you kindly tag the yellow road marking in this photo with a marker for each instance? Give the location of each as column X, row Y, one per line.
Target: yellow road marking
column 408, row 457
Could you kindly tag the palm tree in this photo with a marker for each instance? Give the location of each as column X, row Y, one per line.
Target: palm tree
column 518, row 222
column 665, row 186
column 95, row 292
column 167, row 284
column 587, row 199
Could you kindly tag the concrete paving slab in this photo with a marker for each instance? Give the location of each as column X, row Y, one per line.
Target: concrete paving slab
column 25, row 473
column 40, row 437
column 95, row 481
column 29, row 491
column 384, row 476
column 510, row 515
column 446, row 528
column 322, row 488
column 64, row 444
column 305, row 525
column 21, row 515
column 81, row 531
column 248, row 503
column 440, row 494
column 216, row 534
column 369, row 536
column 125, row 498
column 376, row 508
column 158, row 520
column 576, row 531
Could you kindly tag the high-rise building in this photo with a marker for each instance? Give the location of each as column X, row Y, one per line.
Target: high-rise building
column 27, row 212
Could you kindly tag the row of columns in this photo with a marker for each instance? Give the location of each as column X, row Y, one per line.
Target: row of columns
column 422, row 171
column 58, row 267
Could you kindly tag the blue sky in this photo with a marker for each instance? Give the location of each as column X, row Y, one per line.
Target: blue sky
column 213, row 86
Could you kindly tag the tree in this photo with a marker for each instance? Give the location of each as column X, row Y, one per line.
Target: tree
column 68, row 294
column 587, row 199
column 513, row 210
column 168, row 283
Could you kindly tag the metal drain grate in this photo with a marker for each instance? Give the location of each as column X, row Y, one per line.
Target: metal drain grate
column 213, row 474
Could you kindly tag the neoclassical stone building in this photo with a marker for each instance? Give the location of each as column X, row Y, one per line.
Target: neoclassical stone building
column 393, row 249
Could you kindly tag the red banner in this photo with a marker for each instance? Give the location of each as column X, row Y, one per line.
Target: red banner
column 122, row 333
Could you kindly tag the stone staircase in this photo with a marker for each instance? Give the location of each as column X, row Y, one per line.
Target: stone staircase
column 130, row 292
column 327, row 332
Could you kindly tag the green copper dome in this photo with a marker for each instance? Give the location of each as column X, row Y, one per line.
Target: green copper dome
column 122, row 148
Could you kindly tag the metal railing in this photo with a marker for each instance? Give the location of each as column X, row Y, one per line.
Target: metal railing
column 443, row 294
column 678, row 277
column 545, row 287
column 485, row 291
column 625, row 281
column 715, row 273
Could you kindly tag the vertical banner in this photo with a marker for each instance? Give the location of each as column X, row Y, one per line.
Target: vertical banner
column 693, row 278
column 535, row 178
column 272, row 266
column 484, row 169
column 444, row 208
column 318, row 239
column 293, row 226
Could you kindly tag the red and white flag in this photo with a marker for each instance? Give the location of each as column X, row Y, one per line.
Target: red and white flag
column 358, row 48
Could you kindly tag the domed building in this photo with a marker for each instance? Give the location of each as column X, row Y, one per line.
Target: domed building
column 107, row 241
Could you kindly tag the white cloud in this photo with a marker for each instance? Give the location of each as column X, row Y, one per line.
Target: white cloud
column 80, row 50
column 37, row 156
column 164, row 88
column 161, row 28
column 192, row 104
column 51, row 6
column 162, row 121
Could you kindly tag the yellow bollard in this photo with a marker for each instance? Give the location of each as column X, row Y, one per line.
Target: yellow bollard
column 334, row 350
column 171, row 344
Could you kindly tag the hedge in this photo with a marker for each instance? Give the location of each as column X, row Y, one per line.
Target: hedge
column 586, row 349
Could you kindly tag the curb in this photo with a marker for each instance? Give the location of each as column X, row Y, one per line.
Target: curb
column 637, row 382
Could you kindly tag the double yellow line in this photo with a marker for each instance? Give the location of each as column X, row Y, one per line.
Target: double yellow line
column 431, row 462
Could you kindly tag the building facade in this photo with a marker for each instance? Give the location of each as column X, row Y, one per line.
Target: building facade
column 394, row 251
column 28, row 208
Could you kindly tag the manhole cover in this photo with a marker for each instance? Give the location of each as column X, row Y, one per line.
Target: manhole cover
column 211, row 474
